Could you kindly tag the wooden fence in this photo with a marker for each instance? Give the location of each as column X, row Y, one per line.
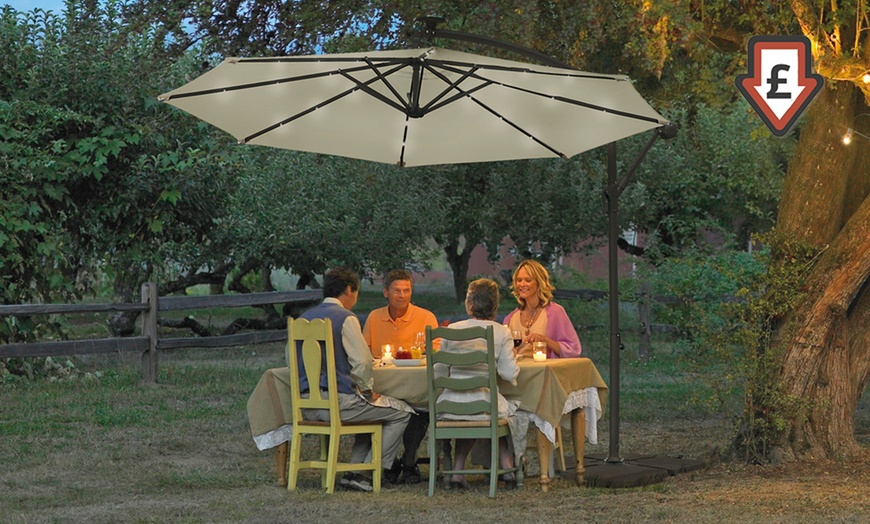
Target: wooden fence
column 644, row 300
column 149, row 343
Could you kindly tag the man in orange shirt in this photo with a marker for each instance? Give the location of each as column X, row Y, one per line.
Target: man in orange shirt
column 397, row 324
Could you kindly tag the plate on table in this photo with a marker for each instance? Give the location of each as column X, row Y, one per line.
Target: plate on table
column 408, row 362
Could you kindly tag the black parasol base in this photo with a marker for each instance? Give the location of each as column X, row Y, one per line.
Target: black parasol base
column 635, row 470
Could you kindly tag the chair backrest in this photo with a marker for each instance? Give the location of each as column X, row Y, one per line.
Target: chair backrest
column 310, row 342
column 476, row 364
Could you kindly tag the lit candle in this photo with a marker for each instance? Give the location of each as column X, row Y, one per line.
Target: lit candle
column 387, row 355
column 539, row 356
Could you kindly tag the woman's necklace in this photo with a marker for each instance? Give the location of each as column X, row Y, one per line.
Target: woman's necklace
column 531, row 321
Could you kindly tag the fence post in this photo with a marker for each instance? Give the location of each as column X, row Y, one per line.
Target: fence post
column 149, row 329
column 645, row 312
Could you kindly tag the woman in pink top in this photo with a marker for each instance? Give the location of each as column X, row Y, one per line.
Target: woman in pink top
column 537, row 317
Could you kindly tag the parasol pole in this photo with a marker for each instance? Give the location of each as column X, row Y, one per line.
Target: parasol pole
column 611, row 197
column 615, row 187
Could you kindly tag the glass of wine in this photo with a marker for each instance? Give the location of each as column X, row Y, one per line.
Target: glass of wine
column 518, row 338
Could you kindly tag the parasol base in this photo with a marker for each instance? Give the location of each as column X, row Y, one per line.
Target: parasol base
column 634, row 470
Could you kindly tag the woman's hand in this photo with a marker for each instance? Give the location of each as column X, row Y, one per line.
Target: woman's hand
column 536, row 337
column 552, row 345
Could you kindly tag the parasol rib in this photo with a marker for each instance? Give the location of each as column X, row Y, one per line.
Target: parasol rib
column 253, row 85
column 363, row 86
column 556, row 97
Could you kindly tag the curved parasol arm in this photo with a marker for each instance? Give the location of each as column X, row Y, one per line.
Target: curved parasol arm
column 430, row 32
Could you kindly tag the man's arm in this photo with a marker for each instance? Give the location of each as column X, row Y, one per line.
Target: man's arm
column 358, row 355
column 367, row 332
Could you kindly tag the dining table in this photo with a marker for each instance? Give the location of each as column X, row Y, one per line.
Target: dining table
column 554, row 393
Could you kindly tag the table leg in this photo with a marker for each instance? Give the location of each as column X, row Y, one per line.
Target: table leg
column 544, row 447
column 281, row 463
column 578, row 429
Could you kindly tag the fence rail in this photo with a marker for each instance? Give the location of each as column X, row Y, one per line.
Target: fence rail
column 150, row 343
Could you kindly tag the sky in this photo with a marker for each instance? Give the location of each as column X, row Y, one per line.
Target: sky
column 29, row 5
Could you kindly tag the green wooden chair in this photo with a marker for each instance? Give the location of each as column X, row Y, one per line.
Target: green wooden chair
column 490, row 429
column 317, row 342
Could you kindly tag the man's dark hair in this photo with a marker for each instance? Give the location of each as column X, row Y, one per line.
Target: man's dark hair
column 397, row 274
column 336, row 280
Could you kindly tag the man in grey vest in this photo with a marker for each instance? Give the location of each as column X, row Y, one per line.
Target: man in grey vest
column 353, row 363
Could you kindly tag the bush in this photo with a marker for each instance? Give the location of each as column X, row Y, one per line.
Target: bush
column 17, row 369
column 703, row 284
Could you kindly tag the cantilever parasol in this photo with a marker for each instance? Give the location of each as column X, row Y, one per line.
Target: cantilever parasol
column 416, row 107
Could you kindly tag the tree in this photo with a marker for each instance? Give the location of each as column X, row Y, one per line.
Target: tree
column 825, row 341
column 322, row 211
column 818, row 349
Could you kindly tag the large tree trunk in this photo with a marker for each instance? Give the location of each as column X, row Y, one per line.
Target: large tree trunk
column 458, row 260
column 826, row 339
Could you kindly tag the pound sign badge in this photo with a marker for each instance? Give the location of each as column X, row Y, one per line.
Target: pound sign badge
column 775, row 80
column 780, row 83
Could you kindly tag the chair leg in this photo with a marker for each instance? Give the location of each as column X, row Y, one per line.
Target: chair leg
column 332, row 462
column 377, row 454
column 295, row 454
column 281, row 463
column 433, row 461
column 494, row 464
column 561, row 446
column 578, row 428
column 447, row 449
column 521, row 472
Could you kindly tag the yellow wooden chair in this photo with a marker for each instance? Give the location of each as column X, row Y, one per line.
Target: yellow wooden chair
column 491, row 429
column 315, row 339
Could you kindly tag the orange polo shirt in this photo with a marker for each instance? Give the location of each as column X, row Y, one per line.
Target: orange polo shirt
column 380, row 329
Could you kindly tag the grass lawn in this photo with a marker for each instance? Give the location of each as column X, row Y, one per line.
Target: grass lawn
column 114, row 450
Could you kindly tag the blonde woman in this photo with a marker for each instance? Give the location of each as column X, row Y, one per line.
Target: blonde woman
column 537, row 317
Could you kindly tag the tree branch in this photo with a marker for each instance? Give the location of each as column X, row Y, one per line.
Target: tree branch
column 631, row 249
column 186, row 323
column 213, row 277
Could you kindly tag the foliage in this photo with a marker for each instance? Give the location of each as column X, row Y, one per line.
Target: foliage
column 736, row 336
column 323, row 211
column 768, row 411
column 15, row 370
column 544, row 206
column 95, row 175
column 707, row 290
column 703, row 285
column 710, row 187
column 730, row 308
column 105, row 181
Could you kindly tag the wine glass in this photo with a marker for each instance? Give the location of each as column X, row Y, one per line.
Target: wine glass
column 420, row 341
column 517, row 335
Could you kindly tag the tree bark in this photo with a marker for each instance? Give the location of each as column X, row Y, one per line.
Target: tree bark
column 826, row 339
column 458, row 261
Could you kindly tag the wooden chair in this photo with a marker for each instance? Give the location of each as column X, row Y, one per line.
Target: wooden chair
column 315, row 337
column 491, row 429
